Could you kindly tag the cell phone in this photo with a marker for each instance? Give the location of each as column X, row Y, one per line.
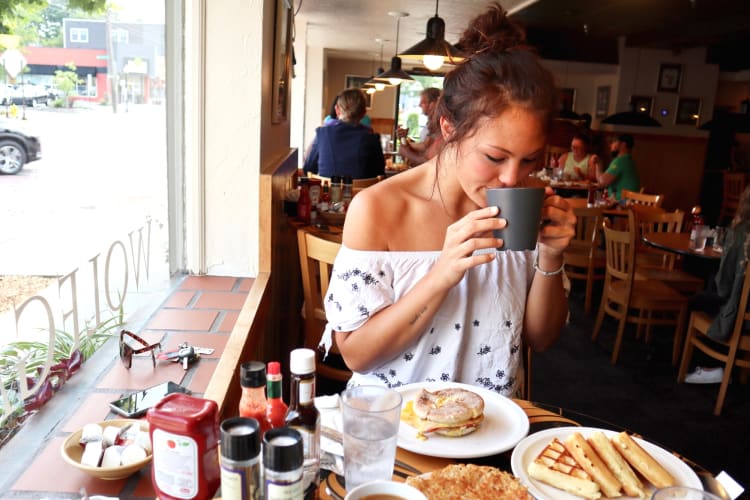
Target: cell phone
column 137, row 403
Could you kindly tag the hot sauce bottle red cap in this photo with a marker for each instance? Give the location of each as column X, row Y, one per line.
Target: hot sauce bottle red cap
column 253, row 374
column 274, row 368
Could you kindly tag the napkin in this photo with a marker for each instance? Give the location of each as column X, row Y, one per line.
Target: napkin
column 332, row 453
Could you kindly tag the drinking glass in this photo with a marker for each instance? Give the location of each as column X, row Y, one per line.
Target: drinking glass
column 721, row 233
column 683, row 493
column 699, row 242
column 371, row 416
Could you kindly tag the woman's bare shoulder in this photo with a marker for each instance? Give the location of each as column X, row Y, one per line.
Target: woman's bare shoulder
column 376, row 214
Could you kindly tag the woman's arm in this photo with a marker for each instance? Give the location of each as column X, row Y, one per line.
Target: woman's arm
column 547, row 304
column 393, row 329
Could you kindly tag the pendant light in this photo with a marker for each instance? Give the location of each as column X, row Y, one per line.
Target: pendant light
column 434, row 50
column 373, row 82
column 395, row 74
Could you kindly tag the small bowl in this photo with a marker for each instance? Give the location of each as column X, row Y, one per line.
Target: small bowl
column 393, row 488
column 71, row 451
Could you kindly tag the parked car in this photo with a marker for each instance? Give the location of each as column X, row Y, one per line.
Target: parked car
column 32, row 95
column 17, row 148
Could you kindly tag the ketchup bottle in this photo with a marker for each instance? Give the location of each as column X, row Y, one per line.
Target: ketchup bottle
column 276, row 408
column 253, row 400
column 184, row 433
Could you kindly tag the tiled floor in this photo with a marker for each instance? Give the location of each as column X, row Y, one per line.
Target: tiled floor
column 200, row 310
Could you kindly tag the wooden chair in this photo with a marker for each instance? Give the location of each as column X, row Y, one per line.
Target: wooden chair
column 733, row 352
column 584, row 259
column 316, row 256
column 660, row 264
column 655, row 302
column 734, row 184
column 636, row 198
column 357, row 184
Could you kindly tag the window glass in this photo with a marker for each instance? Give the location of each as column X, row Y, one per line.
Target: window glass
column 93, row 204
column 409, row 113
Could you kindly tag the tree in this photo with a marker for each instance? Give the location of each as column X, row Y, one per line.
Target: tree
column 66, row 81
column 12, row 11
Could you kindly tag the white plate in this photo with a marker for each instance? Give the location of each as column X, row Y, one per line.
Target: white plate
column 532, row 445
column 505, row 424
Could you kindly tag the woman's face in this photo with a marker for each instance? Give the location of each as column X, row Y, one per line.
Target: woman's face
column 502, row 152
column 578, row 148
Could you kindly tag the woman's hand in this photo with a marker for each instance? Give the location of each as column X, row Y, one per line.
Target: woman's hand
column 462, row 238
column 558, row 226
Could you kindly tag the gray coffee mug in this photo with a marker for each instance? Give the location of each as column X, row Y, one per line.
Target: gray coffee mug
column 522, row 208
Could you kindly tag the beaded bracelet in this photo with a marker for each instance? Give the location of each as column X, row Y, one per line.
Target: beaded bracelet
column 548, row 273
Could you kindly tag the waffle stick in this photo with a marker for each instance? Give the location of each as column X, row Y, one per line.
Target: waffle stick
column 556, row 467
column 597, row 466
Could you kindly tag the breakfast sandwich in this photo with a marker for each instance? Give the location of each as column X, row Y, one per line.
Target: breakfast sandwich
column 449, row 412
column 469, row 482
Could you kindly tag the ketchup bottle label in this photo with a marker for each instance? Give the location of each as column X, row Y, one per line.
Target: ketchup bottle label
column 175, row 464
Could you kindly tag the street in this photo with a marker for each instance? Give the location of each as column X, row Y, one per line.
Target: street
column 100, row 177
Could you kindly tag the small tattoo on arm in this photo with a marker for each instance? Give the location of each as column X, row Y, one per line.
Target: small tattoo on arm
column 420, row 313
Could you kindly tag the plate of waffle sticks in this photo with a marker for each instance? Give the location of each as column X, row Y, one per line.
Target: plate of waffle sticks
column 570, row 463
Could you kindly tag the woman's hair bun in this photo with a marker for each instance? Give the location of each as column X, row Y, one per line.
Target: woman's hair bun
column 491, row 31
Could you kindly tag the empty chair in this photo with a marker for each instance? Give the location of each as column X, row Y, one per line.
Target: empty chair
column 316, row 256
column 636, row 198
column 623, row 295
column 733, row 352
column 653, row 263
column 584, row 259
column 734, row 184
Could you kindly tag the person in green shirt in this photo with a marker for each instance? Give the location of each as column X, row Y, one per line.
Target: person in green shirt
column 621, row 173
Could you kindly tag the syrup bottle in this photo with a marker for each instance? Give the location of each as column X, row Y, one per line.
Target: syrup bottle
column 302, row 414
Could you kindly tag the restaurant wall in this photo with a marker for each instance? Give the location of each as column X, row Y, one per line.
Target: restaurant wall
column 239, row 138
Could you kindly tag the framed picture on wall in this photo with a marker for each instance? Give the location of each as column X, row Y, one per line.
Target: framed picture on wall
column 567, row 99
column 282, row 62
column 688, row 111
column 602, row 100
column 669, row 77
column 642, row 104
column 358, row 82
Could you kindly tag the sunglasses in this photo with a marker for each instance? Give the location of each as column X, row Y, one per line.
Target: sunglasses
column 128, row 348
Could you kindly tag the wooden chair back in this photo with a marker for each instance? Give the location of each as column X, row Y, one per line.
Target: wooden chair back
column 733, row 185
column 584, row 259
column 734, row 352
column 316, row 256
column 620, row 256
column 357, row 184
column 650, row 221
column 637, row 198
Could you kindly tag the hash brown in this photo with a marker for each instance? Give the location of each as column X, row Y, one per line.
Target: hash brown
column 469, row 482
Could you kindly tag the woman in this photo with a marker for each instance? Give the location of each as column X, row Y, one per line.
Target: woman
column 579, row 164
column 419, row 291
column 345, row 147
column 721, row 300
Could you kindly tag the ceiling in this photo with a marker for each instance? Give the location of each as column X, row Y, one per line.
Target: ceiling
column 575, row 30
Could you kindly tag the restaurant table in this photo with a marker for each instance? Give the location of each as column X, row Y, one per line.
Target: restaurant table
column 679, row 243
column 541, row 416
column 574, row 189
